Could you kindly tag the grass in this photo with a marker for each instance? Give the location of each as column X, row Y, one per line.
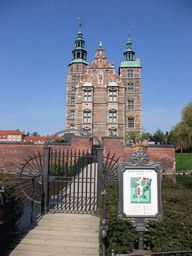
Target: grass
column 183, row 161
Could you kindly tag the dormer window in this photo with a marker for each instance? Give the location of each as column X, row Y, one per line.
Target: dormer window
column 87, row 95
column 87, row 116
column 112, row 95
column 112, row 116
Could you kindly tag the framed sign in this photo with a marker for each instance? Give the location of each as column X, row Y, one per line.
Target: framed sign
column 140, row 190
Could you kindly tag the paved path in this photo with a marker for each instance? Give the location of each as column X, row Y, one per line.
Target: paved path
column 61, row 234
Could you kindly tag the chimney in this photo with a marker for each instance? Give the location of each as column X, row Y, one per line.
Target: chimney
column 138, row 60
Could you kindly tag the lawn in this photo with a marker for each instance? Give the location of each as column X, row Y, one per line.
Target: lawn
column 183, row 161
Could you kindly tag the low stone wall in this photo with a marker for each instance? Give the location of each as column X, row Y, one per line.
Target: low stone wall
column 158, row 153
column 11, row 154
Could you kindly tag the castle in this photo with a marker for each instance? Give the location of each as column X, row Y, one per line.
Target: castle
column 98, row 99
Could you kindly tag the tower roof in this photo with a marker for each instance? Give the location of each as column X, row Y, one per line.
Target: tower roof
column 79, row 54
column 129, row 55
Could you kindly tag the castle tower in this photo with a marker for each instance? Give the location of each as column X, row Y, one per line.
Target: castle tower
column 77, row 68
column 130, row 73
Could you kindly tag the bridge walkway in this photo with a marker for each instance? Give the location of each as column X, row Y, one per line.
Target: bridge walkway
column 60, row 234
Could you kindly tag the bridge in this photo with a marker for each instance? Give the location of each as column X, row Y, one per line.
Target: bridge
column 61, row 191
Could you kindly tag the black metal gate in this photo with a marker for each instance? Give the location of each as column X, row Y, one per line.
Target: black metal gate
column 65, row 180
column 72, row 182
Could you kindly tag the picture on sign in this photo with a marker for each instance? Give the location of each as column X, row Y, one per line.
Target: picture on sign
column 140, row 196
column 140, row 190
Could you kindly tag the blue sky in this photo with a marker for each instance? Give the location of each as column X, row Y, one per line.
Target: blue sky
column 36, row 43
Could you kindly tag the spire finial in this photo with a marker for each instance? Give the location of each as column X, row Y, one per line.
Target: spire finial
column 79, row 18
column 128, row 32
column 100, row 45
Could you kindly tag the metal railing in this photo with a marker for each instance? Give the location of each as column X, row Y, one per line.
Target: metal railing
column 15, row 205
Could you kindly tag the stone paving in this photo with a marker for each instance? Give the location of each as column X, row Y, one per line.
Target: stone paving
column 60, row 234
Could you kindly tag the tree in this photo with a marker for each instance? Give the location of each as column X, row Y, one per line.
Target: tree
column 35, row 134
column 136, row 137
column 133, row 136
column 28, row 134
column 160, row 135
column 182, row 132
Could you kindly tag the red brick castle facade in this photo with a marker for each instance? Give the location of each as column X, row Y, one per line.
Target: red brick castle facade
column 98, row 99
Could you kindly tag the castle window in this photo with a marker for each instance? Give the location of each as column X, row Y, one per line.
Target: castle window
column 130, row 122
column 112, row 95
column 72, row 114
column 130, row 87
column 112, row 116
column 107, row 71
column 87, row 95
column 77, row 67
column 130, row 104
column 87, row 116
column 72, row 101
column 112, row 132
column 130, row 73
column 94, row 71
column 78, row 55
column 73, row 78
column 73, row 90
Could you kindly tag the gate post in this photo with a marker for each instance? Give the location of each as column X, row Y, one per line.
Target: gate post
column 46, row 157
column 99, row 174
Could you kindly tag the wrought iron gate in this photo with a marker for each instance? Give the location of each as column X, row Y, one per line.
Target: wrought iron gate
column 65, row 180
column 72, row 182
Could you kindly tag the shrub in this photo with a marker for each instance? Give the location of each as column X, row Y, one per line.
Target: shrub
column 121, row 235
column 59, row 169
column 173, row 233
column 10, row 210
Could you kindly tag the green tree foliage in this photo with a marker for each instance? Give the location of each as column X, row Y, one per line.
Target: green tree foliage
column 136, row 137
column 35, row 134
column 160, row 135
column 59, row 140
column 182, row 132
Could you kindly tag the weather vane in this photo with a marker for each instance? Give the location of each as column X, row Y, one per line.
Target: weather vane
column 129, row 32
column 79, row 18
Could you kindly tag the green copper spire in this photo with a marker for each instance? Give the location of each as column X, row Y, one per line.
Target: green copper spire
column 129, row 56
column 79, row 54
column 129, row 53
